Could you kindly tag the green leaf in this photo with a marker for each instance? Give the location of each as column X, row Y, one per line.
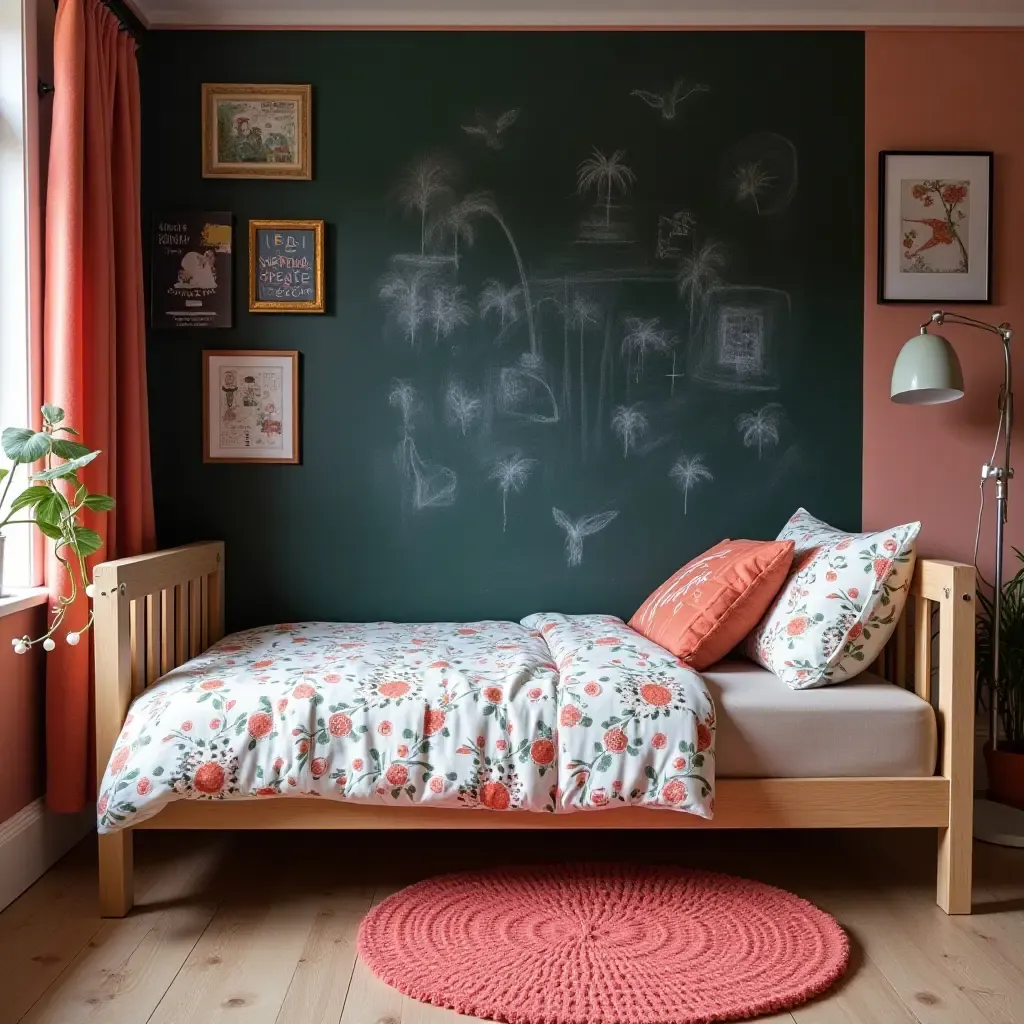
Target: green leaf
column 52, row 414
column 69, row 449
column 30, row 496
column 51, row 531
column 50, row 509
column 3, row 473
column 87, row 541
column 67, row 430
column 67, row 469
column 23, row 445
column 99, row 502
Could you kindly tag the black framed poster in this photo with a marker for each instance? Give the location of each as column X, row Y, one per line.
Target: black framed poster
column 190, row 272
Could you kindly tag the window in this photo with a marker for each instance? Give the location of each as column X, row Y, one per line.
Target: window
column 20, row 249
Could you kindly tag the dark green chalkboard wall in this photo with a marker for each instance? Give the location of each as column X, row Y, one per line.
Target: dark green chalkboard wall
column 708, row 307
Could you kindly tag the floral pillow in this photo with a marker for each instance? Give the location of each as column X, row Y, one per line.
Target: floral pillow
column 839, row 604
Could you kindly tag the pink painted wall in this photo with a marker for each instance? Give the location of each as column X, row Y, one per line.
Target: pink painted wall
column 944, row 90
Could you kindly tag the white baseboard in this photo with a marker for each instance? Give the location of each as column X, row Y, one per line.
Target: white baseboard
column 32, row 841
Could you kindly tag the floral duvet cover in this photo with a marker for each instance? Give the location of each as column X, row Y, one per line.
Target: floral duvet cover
column 557, row 714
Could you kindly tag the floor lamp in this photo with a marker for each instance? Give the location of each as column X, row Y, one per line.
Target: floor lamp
column 927, row 372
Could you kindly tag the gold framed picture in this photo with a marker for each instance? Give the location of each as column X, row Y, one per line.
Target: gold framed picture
column 256, row 131
column 286, row 266
column 251, row 406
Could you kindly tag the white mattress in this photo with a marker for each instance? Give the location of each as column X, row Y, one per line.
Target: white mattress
column 867, row 727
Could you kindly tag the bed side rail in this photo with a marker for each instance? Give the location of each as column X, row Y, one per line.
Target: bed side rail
column 153, row 613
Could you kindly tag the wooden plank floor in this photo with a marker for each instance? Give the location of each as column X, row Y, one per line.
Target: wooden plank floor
column 260, row 928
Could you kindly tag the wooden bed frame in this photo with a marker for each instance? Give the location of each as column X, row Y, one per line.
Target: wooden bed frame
column 154, row 612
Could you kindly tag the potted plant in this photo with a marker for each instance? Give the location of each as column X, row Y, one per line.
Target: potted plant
column 53, row 502
column 1005, row 764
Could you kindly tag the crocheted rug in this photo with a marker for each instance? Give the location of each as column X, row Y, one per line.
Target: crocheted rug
column 603, row 944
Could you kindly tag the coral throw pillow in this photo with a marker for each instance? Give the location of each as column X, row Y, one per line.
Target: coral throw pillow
column 705, row 609
column 839, row 605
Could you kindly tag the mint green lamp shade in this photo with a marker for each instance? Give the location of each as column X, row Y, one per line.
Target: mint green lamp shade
column 926, row 372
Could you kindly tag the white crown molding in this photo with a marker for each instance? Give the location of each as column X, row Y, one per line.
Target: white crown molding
column 667, row 14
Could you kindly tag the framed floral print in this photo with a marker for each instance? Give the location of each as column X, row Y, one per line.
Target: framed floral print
column 934, row 227
column 251, row 406
column 256, row 131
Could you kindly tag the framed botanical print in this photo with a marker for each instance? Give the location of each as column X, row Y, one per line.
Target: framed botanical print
column 935, row 227
column 256, row 131
column 286, row 266
column 251, row 406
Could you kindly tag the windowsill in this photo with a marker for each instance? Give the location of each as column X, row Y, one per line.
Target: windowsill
column 17, row 599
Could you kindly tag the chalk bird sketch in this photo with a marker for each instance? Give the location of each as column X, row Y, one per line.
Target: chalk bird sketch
column 605, row 174
column 490, row 129
column 670, row 227
column 462, row 408
column 427, row 180
column 750, row 182
column 501, row 301
column 405, row 293
column 511, row 474
column 629, row 424
column 429, row 485
column 698, row 274
column 644, row 336
column 686, row 472
column 760, row 427
column 447, row 309
column 587, row 526
column 669, row 101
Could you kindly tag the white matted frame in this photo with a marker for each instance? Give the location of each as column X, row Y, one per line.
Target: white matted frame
column 154, row 612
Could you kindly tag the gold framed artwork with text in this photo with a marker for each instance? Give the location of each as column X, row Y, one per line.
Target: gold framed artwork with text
column 286, row 266
column 256, row 131
column 251, row 406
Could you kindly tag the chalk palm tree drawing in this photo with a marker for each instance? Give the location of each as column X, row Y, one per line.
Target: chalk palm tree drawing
column 501, row 301
column 490, row 129
column 686, row 472
column 643, row 336
column 604, row 174
column 456, row 224
column 511, row 473
column 630, row 424
column 402, row 397
column 576, row 531
column 447, row 310
column 667, row 102
column 405, row 293
column 428, row 179
column 462, row 409
column 750, row 181
column 585, row 313
column 760, row 427
column 698, row 274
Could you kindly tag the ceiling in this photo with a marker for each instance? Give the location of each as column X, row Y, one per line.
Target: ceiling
column 591, row 13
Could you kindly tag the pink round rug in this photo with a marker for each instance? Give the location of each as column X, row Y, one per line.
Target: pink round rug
column 603, row 944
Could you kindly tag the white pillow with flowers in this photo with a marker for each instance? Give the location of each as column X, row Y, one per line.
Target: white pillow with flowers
column 839, row 604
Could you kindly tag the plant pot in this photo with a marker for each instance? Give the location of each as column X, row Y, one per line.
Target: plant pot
column 1005, row 776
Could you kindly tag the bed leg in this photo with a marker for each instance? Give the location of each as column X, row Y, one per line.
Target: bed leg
column 955, row 855
column 117, row 889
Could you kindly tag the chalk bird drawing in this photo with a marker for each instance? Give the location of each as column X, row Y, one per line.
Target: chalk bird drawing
column 447, row 309
column 405, row 293
column 750, row 182
column 686, row 472
column 427, row 180
column 667, row 102
column 760, row 427
column 644, row 336
column 511, row 474
column 576, row 531
column 501, row 301
column 630, row 424
column 605, row 174
column 462, row 409
column 490, row 129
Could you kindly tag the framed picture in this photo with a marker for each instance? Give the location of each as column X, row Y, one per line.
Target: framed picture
column 251, row 406
column 935, row 227
column 256, row 131
column 286, row 266
column 190, row 270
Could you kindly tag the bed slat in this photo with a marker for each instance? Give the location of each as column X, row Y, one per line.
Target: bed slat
column 167, row 661
column 922, row 647
column 181, row 624
column 154, row 613
column 195, row 614
column 137, row 629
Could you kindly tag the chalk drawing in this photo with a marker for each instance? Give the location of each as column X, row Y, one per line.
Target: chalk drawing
column 511, row 474
column 605, row 175
column 667, row 103
column 428, row 484
column 670, row 227
column 674, row 375
column 761, row 173
column 523, row 391
column 686, row 472
column 402, row 397
column 697, row 275
column 501, row 301
column 462, row 408
column 751, row 182
column 585, row 313
column 447, row 309
column 644, row 336
column 426, row 181
column 760, row 427
column 405, row 293
column 455, row 224
column 576, row 531
column 629, row 424
column 490, row 129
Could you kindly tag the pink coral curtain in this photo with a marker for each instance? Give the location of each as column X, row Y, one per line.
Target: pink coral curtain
column 94, row 344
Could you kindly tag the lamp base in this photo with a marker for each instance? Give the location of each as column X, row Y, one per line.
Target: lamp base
column 998, row 824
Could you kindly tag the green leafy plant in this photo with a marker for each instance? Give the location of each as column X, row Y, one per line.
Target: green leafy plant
column 54, row 502
column 1010, row 685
